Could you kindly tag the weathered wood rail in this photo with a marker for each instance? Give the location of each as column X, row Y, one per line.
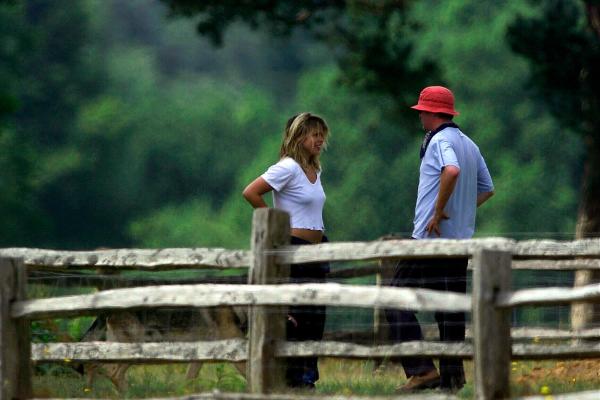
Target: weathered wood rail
column 540, row 254
column 267, row 295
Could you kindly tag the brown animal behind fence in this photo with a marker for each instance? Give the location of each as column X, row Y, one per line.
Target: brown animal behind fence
column 166, row 325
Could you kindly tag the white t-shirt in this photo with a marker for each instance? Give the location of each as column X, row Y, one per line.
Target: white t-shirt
column 295, row 194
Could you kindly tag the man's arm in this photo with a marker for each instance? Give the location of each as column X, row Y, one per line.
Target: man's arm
column 448, row 179
column 485, row 187
column 483, row 197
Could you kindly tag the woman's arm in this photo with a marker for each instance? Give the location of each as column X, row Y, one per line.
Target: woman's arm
column 254, row 192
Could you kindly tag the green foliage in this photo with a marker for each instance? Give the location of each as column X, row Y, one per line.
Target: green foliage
column 188, row 225
column 19, row 209
column 47, row 76
column 158, row 133
column 281, row 17
column 42, row 333
column 372, row 41
column 563, row 50
column 564, row 54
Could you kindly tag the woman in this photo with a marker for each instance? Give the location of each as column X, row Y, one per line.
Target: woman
column 296, row 184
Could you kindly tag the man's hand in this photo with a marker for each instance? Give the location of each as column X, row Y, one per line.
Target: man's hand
column 448, row 179
column 292, row 320
column 434, row 223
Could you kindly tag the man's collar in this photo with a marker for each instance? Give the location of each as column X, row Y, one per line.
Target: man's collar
column 444, row 126
column 429, row 135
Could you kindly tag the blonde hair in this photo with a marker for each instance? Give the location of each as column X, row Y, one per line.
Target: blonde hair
column 296, row 130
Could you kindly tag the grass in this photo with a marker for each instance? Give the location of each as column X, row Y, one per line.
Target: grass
column 341, row 377
column 143, row 381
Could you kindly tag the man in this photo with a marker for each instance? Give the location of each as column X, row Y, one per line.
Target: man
column 453, row 182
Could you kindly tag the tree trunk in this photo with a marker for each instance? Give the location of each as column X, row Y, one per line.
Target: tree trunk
column 585, row 315
column 588, row 219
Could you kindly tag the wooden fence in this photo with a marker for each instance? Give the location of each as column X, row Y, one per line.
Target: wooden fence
column 267, row 294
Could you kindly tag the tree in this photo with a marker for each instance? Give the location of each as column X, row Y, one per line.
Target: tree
column 372, row 41
column 44, row 76
column 562, row 45
column 380, row 48
column 388, row 48
column 373, row 55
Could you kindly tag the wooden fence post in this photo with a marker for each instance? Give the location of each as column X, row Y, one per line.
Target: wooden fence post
column 381, row 327
column 491, row 325
column 265, row 373
column 15, row 345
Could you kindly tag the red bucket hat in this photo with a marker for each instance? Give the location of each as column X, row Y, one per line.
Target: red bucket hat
column 436, row 99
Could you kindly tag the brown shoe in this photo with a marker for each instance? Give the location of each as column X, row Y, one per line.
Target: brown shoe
column 428, row 380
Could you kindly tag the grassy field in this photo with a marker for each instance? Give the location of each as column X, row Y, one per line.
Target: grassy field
column 337, row 377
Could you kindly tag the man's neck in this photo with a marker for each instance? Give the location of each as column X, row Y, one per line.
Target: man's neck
column 439, row 122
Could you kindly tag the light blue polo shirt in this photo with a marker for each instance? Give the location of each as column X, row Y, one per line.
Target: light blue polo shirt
column 451, row 147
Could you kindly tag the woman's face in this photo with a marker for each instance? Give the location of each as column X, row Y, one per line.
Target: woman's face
column 313, row 143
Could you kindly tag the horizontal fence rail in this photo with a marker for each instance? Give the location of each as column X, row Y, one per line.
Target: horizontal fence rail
column 332, row 294
column 547, row 296
column 536, row 265
column 139, row 259
column 110, row 281
column 236, row 350
column 165, row 259
column 348, row 251
column 44, row 276
column 546, row 333
column 555, row 351
column 430, row 332
column 556, row 265
column 354, row 251
column 432, row 349
column 217, row 350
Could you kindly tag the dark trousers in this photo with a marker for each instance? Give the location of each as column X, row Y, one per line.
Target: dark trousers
column 310, row 320
column 438, row 274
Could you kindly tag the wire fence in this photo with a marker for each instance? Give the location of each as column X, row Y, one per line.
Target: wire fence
column 59, row 274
